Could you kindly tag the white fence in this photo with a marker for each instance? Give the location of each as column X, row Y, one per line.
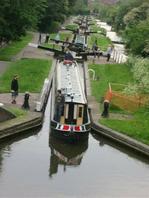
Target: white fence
column 118, row 56
column 44, row 93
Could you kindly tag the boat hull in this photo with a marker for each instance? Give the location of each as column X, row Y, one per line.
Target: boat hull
column 69, row 136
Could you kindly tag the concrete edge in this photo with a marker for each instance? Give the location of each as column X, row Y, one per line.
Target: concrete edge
column 120, row 138
column 24, row 125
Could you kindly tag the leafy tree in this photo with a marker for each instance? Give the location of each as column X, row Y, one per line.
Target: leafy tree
column 16, row 16
column 81, row 7
column 140, row 69
column 136, row 15
column 137, row 38
column 55, row 12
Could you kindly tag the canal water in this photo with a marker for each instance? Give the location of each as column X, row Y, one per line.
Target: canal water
column 34, row 165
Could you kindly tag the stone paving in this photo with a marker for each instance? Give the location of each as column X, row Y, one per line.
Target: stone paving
column 5, row 98
column 100, row 60
column 3, row 66
column 33, row 52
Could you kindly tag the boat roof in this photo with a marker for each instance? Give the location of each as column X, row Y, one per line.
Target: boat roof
column 70, row 83
column 80, row 39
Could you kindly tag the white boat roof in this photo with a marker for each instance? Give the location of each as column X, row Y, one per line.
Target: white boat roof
column 69, row 82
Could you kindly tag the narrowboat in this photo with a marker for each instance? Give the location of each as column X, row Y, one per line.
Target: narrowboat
column 70, row 118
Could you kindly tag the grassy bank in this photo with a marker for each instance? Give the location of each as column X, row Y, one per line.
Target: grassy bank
column 72, row 26
column 63, row 35
column 96, row 28
column 113, row 73
column 135, row 127
column 15, row 47
column 102, row 41
column 31, row 72
column 16, row 111
column 53, row 46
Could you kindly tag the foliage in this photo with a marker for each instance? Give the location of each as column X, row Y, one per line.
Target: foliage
column 55, row 12
column 140, row 70
column 27, row 14
column 17, row 16
column 81, row 7
column 31, row 72
column 131, row 19
column 136, row 15
column 131, row 89
column 137, row 38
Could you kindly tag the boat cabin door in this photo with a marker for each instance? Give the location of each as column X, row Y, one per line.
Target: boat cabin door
column 80, row 111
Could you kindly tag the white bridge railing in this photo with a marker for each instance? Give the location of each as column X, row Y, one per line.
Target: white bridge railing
column 118, row 56
column 44, row 93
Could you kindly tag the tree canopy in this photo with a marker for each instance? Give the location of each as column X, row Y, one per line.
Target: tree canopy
column 17, row 16
column 131, row 19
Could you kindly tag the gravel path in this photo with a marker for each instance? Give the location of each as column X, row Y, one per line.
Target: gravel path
column 6, row 100
column 33, row 52
column 3, row 66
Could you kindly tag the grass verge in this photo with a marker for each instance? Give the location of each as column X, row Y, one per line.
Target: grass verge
column 72, row 26
column 95, row 28
column 17, row 111
column 31, row 72
column 63, row 35
column 52, row 46
column 137, row 126
column 102, row 41
column 113, row 73
column 15, row 47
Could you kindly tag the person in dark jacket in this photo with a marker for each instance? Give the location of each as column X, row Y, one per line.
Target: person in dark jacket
column 68, row 55
column 109, row 52
column 26, row 101
column 14, row 89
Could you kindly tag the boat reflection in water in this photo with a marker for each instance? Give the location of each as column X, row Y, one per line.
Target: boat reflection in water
column 65, row 154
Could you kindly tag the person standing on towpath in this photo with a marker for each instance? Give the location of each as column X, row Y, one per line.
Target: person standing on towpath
column 109, row 52
column 14, row 89
column 106, row 103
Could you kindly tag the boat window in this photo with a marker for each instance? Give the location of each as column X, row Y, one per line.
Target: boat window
column 80, row 112
column 75, row 112
column 66, row 110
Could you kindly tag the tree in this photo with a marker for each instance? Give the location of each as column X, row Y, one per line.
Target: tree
column 140, row 69
column 16, row 16
column 55, row 13
column 81, row 7
column 136, row 15
column 137, row 38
